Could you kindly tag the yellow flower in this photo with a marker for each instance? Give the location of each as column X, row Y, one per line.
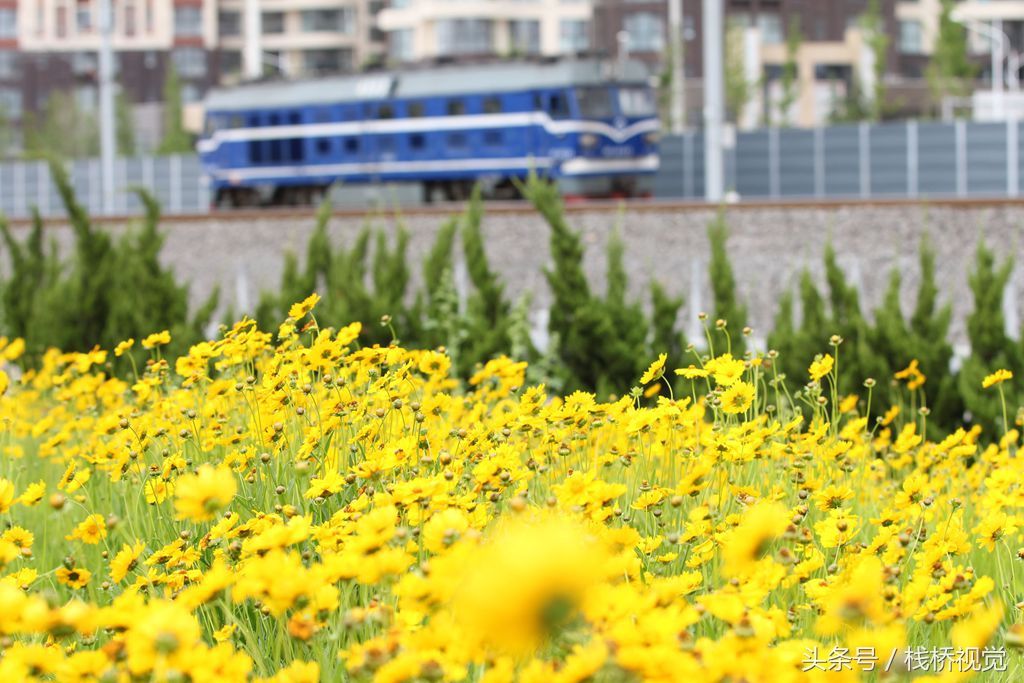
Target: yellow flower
column 821, row 366
column 91, row 530
column 737, row 398
column 198, row 497
column 123, row 347
column 300, row 309
column 726, row 369
column 745, row 545
column 76, row 577
column 5, row 382
column 6, row 495
column 655, row 370
column 125, row 560
column 912, row 374
column 13, row 351
column 996, row 377
column 157, row 339
column 692, row 372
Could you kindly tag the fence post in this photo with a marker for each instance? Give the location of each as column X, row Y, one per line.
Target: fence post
column 864, row 150
column 175, row 179
column 42, row 189
column 819, row 162
column 773, row 163
column 960, row 129
column 1012, row 157
column 689, row 189
column 19, row 188
column 913, row 159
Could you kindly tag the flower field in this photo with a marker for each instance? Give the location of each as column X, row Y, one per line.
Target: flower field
column 293, row 506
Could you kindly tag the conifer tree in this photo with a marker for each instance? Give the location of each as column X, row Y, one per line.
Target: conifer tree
column 950, row 70
column 723, row 285
column 176, row 139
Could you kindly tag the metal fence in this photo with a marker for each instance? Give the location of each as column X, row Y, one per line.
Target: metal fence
column 907, row 159
column 176, row 181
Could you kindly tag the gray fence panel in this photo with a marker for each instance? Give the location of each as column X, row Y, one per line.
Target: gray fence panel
column 986, row 158
column 842, row 161
column 888, row 154
column 753, row 166
column 936, row 174
column 796, row 163
column 669, row 181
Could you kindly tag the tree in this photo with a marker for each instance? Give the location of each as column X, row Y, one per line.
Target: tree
column 877, row 40
column 950, row 71
column 125, row 125
column 723, row 285
column 737, row 90
column 790, row 75
column 64, row 130
column 176, row 139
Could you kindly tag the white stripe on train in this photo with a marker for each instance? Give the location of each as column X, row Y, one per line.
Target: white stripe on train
column 430, row 124
column 577, row 166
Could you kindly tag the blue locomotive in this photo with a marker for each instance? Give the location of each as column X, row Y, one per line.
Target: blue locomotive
column 588, row 124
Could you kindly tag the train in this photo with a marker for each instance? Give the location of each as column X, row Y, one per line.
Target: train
column 589, row 124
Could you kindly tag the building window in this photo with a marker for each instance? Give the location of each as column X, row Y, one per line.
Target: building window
column 273, row 22
column 83, row 63
column 188, row 21
column 464, row 36
column 190, row 62
column 62, row 22
column 575, row 35
column 149, row 16
column 771, row 28
column 8, row 23
column 129, row 20
column 400, row 45
column 83, row 18
column 190, row 93
column 910, row 37
column 330, row 20
column 646, row 32
column 230, row 62
column 524, row 36
column 8, row 64
column 326, row 61
column 229, row 23
column 10, row 102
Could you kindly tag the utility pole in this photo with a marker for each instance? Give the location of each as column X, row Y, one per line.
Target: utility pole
column 714, row 100
column 677, row 92
column 108, row 133
column 252, row 55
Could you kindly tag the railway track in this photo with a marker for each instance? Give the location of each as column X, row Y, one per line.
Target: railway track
column 576, row 206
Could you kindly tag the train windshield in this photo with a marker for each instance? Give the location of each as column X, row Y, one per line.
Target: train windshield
column 595, row 103
column 637, row 101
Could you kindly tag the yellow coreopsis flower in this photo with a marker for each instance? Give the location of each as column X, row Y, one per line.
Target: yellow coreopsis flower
column 737, row 398
column 91, row 530
column 725, row 369
column 198, row 497
column 745, row 545
column 157, row 339
column 125, row 560
column 996, row 377
column 75, row 577
column 5, row 382
column 821, row 366
column 655, row 370
column 300, row 309
column 692, row 372
column 124, row 347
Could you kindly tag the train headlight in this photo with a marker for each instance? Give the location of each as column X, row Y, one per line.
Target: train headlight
column 652, row 138
column 588, row 141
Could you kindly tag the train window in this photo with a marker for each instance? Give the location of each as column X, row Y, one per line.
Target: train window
column 323, row 146
column 415, row 109
column 417, row 141
column 456, row 107
column 457, row 141
column 276, row 151
column 492, row 105
column 274, row 120
column 386, row 144
column 595, row 103
column 386, row 111
column 557, row 105
column 637, row 102
column 235, row 122
column 323, row 115
column 493, row 138
column 255, row 152
column 294, row 118
column 351, row 145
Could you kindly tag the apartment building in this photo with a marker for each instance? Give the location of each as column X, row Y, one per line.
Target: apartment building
column 51, row 45
column 431, row 29
column 832, row 57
